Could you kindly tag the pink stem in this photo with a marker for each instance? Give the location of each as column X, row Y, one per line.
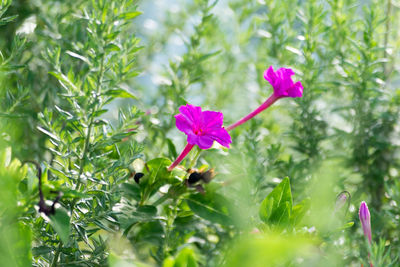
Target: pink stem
column 183, row 154
column 263, row 106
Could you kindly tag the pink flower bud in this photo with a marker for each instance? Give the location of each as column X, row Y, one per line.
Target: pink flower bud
column 365, row 219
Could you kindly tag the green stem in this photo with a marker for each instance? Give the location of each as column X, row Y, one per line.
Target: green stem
column 170, row 222
column 195, row 158
column 90, row 125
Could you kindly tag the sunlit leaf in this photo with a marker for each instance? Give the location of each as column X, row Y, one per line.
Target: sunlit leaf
column 60, row 222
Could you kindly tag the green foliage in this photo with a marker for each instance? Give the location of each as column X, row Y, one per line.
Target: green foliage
column 211, row 206
column 277, row 206
column 61, row 224
column 93, row 107
column 15, row 249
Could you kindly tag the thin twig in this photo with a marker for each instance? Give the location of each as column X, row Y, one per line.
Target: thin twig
column 43, row 207
column 55, row 258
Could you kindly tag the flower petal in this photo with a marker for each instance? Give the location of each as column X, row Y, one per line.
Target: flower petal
column 221, row 136
column 212, row 120
column 282, row 82
column 296, row 90
column 192, row 114
column 205, row 141
column 270, row 75
column 183, row 124
column 202, row 127
column 193, row 139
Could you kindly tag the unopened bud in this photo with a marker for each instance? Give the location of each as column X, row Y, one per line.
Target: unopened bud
column 365, row 219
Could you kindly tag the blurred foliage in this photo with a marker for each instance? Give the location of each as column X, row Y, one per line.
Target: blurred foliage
column 88, row 91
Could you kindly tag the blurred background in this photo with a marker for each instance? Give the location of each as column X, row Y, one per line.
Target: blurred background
column 342, row 135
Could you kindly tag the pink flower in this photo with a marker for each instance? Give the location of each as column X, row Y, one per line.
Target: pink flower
column 202, row 127
column 365, row 219
column 282, row 82
column 283, row 86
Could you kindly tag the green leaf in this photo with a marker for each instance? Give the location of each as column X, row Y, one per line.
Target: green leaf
column 41, row 250
column 120, row 93
column 171, row 148
column 210, row 206
column 100, row 112
column 169, row 262
column 5, row 157
column 5, row 20
column 299, row 211
column 207, row 56
column 131, row 190
column 146, row 213
column 64, row 81
column 130, row 15
column 48, row 133
column 346, row 226
column 75, row 55
column 70, row 193
column 277, row 206
column 60, row 222
column 112, row 47
column 158, row 169
column 186, row 258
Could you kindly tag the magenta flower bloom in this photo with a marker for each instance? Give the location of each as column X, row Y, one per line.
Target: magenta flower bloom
column 283, row 86
column 202, row 127
column 282, row 82
column 365, row 219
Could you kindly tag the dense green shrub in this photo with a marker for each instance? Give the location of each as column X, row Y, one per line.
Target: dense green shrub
column 89, row 90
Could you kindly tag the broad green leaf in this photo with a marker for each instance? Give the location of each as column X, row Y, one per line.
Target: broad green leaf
column 60, row 222
column 112, row 47
column 186, row 258
column 131, row 190
column 169, row 262
column 41, row 250
column 158, row 169
column 299, row 211
column 210, row 206
column 277, row 206
column 151, row 232
column 146, row 213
